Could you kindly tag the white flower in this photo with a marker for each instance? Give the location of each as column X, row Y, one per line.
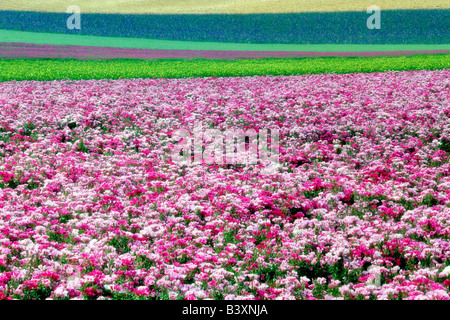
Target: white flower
column 304, row 279
column 446, row 271
column 297, row 231
column 61, row 292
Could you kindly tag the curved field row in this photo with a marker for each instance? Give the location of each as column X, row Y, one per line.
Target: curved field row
column 25, row 50
column 10, row 36
column 217, row 6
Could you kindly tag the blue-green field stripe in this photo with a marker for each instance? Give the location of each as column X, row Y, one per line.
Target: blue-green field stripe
column 397, row 26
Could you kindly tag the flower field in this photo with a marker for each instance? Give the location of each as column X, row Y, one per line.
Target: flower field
column 93, row 207
column 27, row 50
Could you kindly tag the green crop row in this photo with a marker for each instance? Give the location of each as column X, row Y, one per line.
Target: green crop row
column 57, row 69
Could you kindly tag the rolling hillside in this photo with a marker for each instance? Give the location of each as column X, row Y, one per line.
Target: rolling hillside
column 217, row 6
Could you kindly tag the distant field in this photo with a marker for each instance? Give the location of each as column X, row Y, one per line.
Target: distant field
column 397, row 27
column 217, row 6
column 57, row 69
column 8, row 36
column 29, row 50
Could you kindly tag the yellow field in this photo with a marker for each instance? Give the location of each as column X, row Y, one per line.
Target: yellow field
column 217, row 6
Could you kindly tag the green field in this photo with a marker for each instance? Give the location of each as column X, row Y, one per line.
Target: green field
column 137, row 43
column 56, row 69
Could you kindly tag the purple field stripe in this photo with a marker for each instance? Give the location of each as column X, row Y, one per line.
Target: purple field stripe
column 25, row 50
